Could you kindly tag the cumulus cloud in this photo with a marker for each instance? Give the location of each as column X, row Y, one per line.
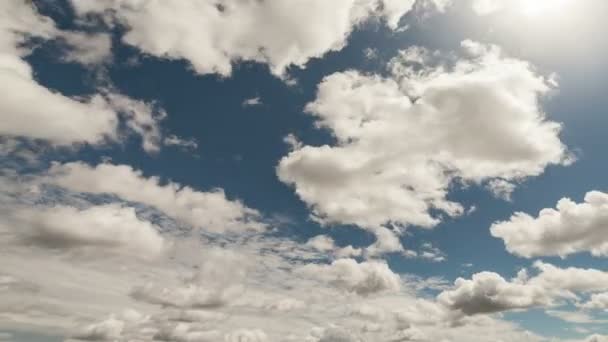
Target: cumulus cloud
column 212, row 37
column 364, row 278
column 403, row 140
column 348, row 252
column 321, row 243
column 568, row 229
column 488, row 292
column 597, row 301
column 106, row 226
column 87, row 48
column 211, row 210
column 501, row 188
column 33, row 111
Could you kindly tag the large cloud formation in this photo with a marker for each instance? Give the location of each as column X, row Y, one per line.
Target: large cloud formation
column 402, row 140
column 569, row 228
column 212, row 35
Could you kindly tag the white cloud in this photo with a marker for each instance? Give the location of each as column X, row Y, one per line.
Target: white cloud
column 106, row 227
column 402, row 141
column 174, row 140
column 321, row 243
column 569, row 228
column 250, row 102
column 501, row 188
column 87, row 49
column 211, row 211
column 36, row 112
column 362, row 278
column 573, row 316
column 213, row 37
column 33, row 111
column 597, row 301
column 348, row 252
column 370, row 53
column 488, row 292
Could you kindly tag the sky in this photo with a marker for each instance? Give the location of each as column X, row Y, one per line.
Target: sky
column 304, row 170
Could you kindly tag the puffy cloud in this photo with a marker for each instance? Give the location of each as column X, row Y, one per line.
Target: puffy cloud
column 36, row 112
column 569, row 228
column 106, row 226
column 33, row 111
column 489, row 292
column 597, row 301
column 211, row 211
column 567, row 281
column 87, row 49
column 212, row 36
column 364, row 278
column 501, row 188
column 321, row 243
column 348, row 252
column 402, row 141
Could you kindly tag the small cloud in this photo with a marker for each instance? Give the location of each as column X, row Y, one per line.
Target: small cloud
column 370, row 53
column 254, row 101
column 174, row 140
column 292, row 141
column 501, row 188
column 427, row 252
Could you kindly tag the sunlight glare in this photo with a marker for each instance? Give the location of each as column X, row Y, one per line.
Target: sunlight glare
column 536, row 8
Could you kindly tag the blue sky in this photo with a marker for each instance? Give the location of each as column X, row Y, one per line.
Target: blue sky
column 251, row 249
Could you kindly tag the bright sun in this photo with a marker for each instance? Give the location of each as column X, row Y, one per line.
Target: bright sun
column 537, row 8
